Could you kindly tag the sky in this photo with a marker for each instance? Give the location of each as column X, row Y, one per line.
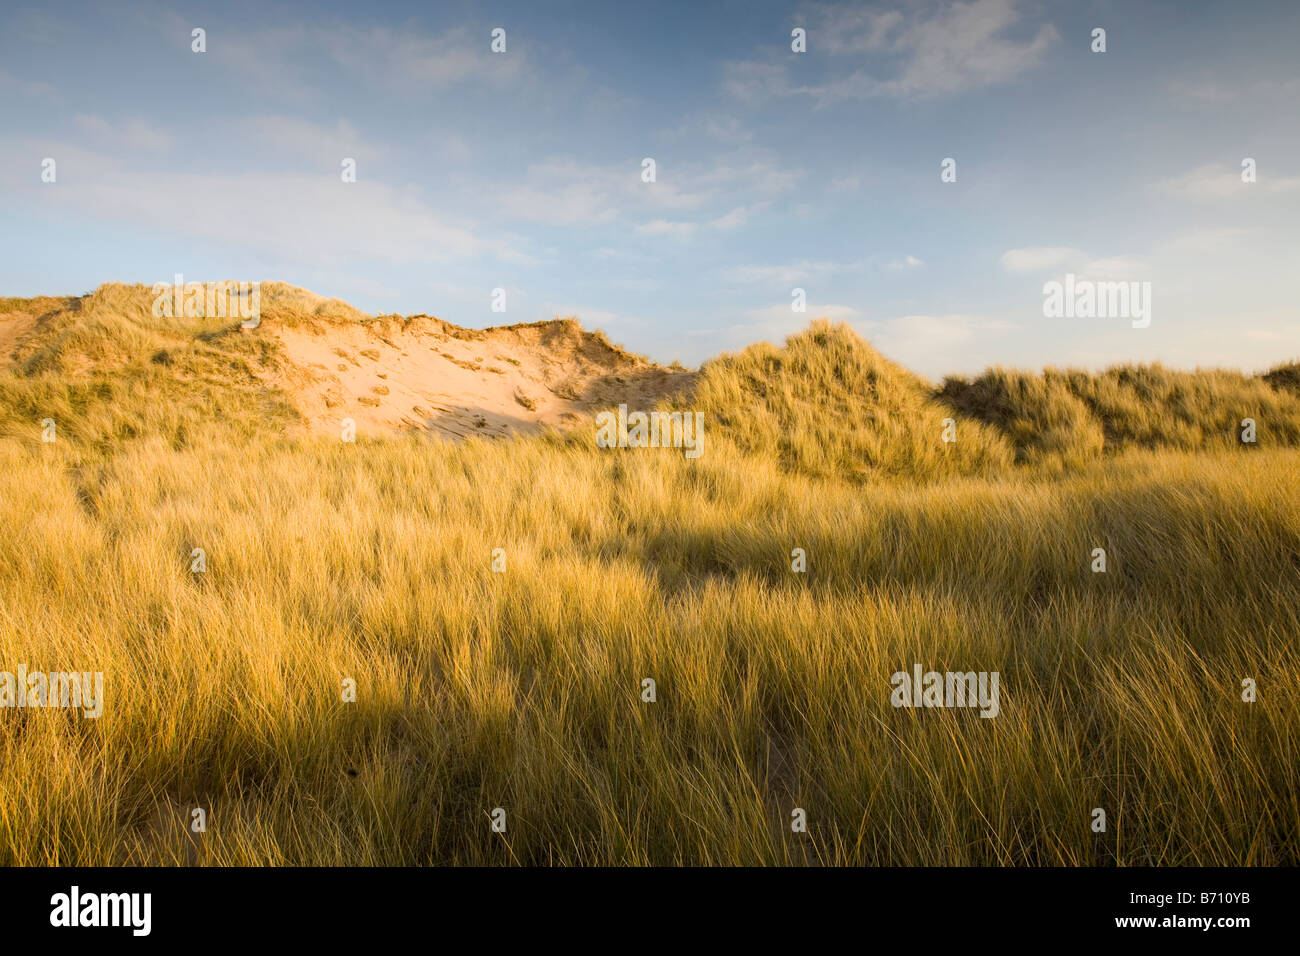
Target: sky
column 775, row 170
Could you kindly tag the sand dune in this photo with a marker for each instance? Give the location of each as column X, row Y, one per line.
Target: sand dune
column 393, row 373
column 497, row 606
column 16, row 322
column 387, row 373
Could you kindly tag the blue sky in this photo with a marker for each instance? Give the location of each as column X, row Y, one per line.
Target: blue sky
column 775, row 170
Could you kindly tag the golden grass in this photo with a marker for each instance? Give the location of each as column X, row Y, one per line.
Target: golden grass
column 521, row 690
column 828, row 405
column 1064, row 418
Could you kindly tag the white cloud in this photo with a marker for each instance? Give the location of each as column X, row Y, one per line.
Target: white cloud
column 1235, row 90
column 1202, row 91
column 325, row 145
column 302, row 218
column 778, row 321
column 1206, row 240
column 662, row 227
column 726, row 129
column 966, row 47
column 564, row 193
column 1287, row 334
column 634, row 256
column 639, row 284
column 1115, row 268
column 954, row 48
column 1059, row 260
column 719, row 127
column 591, row 318
column 571, row 193
column 404, row 59
column 853, row 30
column 131, row 133
column 1209, row 182
column 798, row 271
column 753, row 81
column 918, row 340
column 10, row 84
column 773, row 322
column 738, row 216
column 567, row 192
column 1217, row 181
column 1039, row 258
column 803, row 270
column 281, row 61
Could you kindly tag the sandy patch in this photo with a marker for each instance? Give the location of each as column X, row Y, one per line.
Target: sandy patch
column 397, row 374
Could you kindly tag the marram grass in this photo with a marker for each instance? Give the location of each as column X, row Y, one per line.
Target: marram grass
column 521, row 690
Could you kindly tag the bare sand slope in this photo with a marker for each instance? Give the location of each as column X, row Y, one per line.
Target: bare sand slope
column 419, row 373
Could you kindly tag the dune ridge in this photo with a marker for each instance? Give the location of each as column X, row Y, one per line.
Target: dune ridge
column 825, row 403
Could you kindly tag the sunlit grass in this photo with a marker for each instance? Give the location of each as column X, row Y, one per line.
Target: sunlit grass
column 521, row 690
